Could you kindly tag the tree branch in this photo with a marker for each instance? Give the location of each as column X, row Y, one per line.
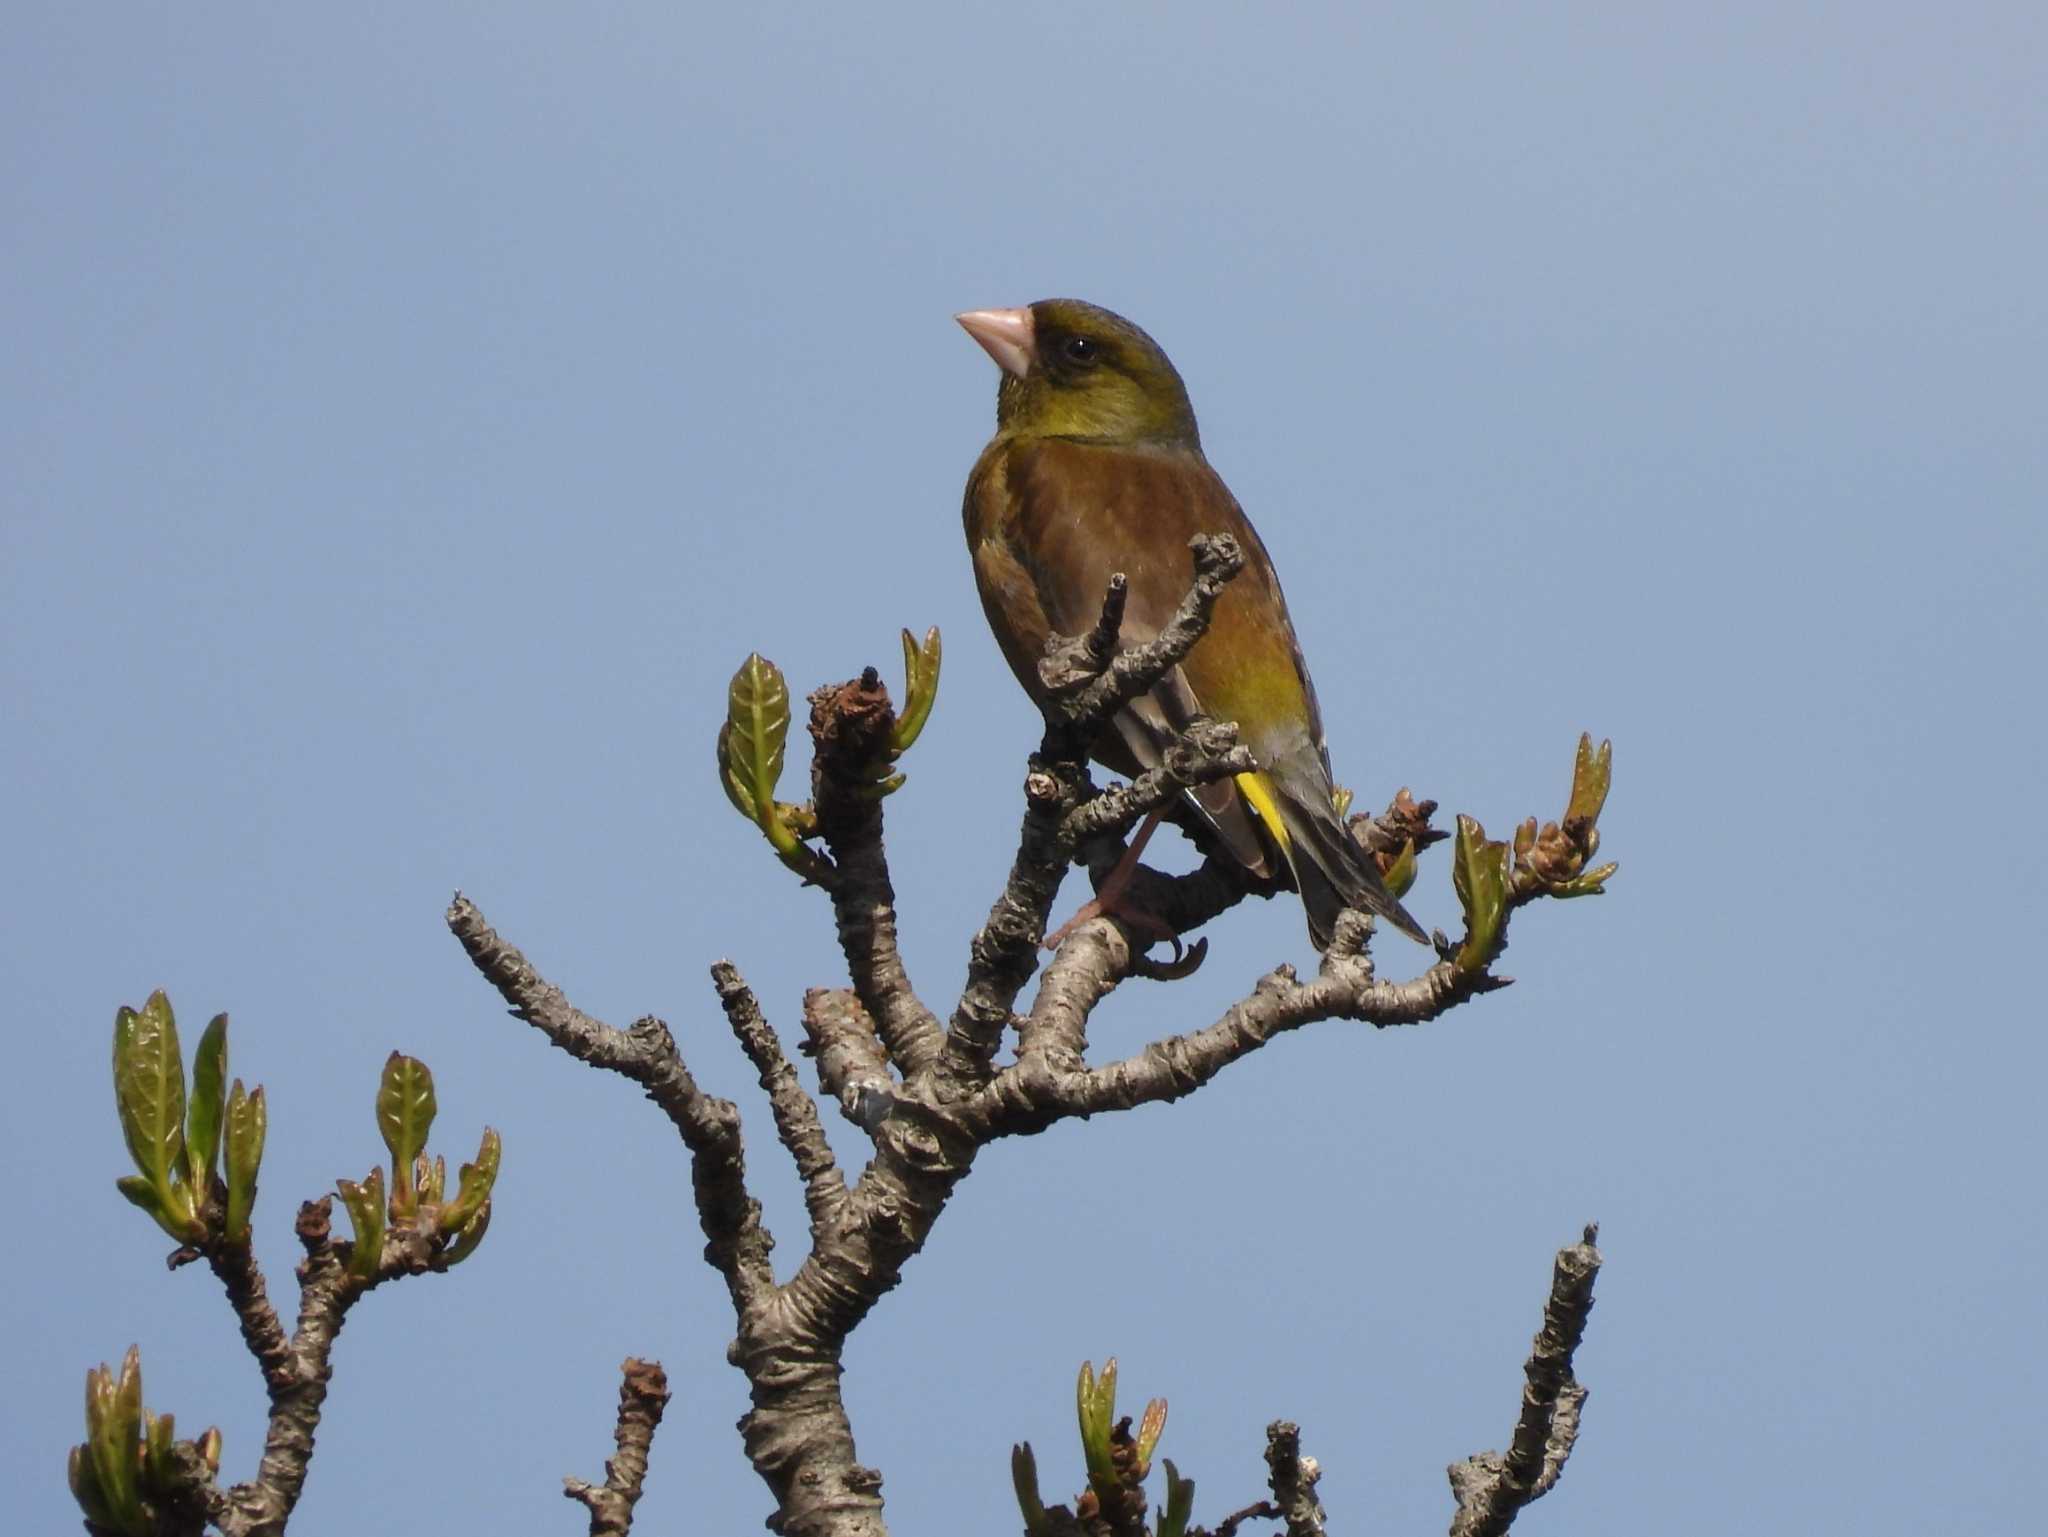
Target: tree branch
column 850, row 731
column 1293, row 1479
column 738, row 1242
column 1204, row 753
column 643, row 1396
column 1005, row 952
column 852, row 1066
column 796, row 1113
column 1491, row 1489
column 1133, row 672
column 1046, row 1087
column 248, row 1294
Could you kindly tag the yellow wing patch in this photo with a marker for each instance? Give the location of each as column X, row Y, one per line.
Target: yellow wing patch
column 1258, row 791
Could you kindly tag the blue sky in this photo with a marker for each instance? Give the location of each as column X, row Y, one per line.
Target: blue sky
column 409, row 421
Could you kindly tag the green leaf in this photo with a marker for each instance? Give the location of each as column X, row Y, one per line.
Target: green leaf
column 1401, row 873
column 248, row 1123
column 149, row 1086
column 1593, row 883
column 757, row 731
column 158, row 1432
column 365, row 1206
column 1095, row 1400
column 85, row 1487
column 474, row 1184
column 729, row 777
column 113, row 1428
column 209, row 1102
column 149, row 1093
column 1180, row 1502
column 882, row 787
column 1479, row 872
column 920, row 688
column 1150, row 1427
column 466, row 1241
column 1592, row 773
column 1024, row 1478
column 142, row 1193
column 405, row 1114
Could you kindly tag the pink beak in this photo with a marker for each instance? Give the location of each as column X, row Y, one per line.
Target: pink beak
column 1005, row 335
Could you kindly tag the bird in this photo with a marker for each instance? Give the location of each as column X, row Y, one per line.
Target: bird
column 1096, row 468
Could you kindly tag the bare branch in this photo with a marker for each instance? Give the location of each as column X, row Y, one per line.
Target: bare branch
column 1072, row 660
column 1264, row 1510
column 1040, row 1090
column 710, row 1127
column 852, row 1066
column 1090, row 963
column 796, row 1113
column 296, row 1379
column 1491, row 1489
column 1005, row 952
column 1131, row 673
column 1293, row 1479
column 850, row 729
column 249, row 1296
column 1204, row 753
column 643, row 1395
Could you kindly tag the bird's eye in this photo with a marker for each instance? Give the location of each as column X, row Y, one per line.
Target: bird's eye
column 1080, row 349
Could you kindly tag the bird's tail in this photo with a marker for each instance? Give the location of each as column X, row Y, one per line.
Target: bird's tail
column 1331, row 868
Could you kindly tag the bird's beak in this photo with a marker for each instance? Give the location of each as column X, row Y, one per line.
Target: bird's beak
column 1005, row 335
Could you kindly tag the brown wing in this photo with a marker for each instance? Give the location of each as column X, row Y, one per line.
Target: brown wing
column 1049, row 521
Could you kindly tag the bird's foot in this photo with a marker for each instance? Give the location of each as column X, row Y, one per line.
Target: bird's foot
column 1143, row 925
column 1112, row 900
column 1145, row 929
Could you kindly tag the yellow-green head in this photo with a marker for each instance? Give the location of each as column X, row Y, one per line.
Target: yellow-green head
column 1071, row 370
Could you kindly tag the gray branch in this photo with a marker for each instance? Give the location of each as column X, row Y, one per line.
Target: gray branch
column 296, row 1368
column 931, row 1097
column 1005, row 952
column 1293, row 1478
column 796, row 1113
column 850, row 731
column 643, row 1396
column 737, row 1242
column 1206, row 752
column 1491, row 1489
column 1048, row 1084
column 853, row 1068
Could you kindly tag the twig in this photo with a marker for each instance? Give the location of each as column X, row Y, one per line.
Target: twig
column 796, row 1113
column 1131, row 673
column 850, row 731
column 1005, row 952
column 852, row 1067
column 1293, row 1479
column 296, row 1381
column 1090, row 963
column 235, row 1266
column 1206, row 752
column 1037, row 1092
column 738, row 1242
column 1072, row 660
column 1264, row 1510
column 789, row 1342
column 1490, row 1488
column 643, row 1395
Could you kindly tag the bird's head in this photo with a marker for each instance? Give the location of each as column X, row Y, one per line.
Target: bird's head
column 1071, row 370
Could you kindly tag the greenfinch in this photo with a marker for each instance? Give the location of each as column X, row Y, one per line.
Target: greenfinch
column 1096, row 468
